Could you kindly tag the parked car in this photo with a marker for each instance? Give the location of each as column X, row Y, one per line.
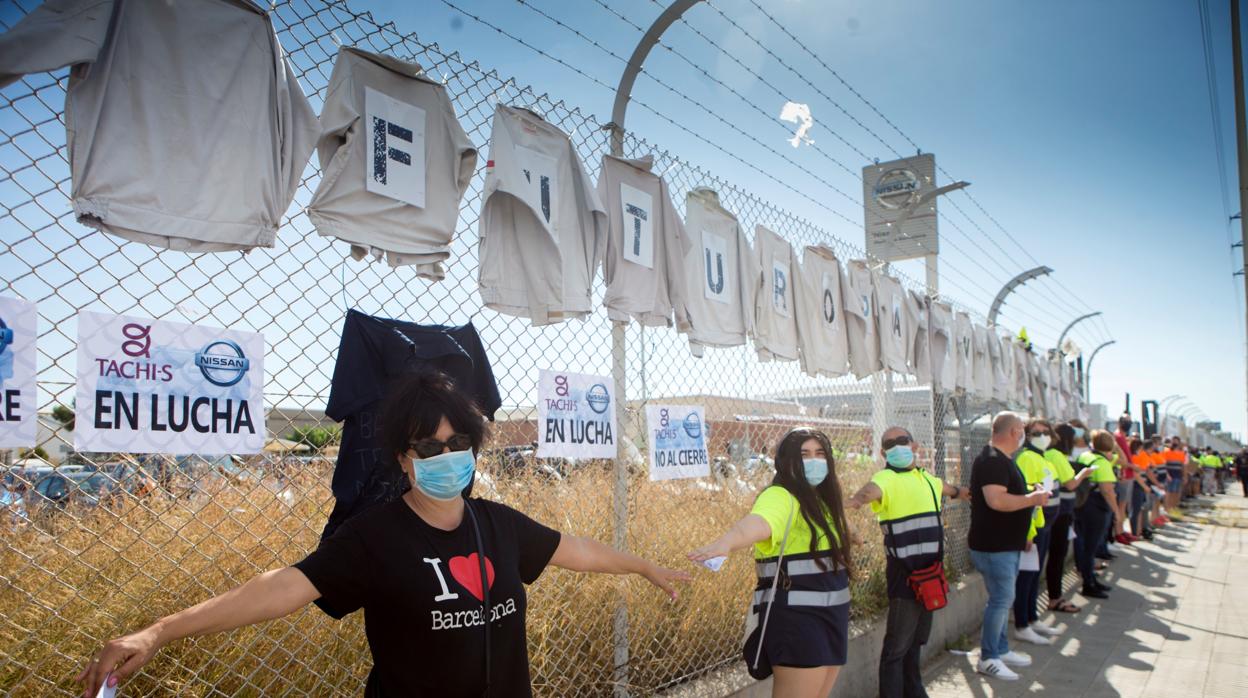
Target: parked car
column 61, row 490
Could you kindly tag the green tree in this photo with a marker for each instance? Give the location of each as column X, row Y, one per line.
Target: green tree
column 64, row 415
column 317, row 437
column 36, row 452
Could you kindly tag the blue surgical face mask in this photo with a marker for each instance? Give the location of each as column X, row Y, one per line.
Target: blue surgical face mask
column 1078, row 432
column 900, row 456
column 816, row 469
column 445, row 475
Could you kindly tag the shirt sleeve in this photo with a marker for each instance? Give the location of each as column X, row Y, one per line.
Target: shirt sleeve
column 55, row 34
column 774, row 506
column 340, row 570
column 996, row 471
column 536, row 543
column 882, row 503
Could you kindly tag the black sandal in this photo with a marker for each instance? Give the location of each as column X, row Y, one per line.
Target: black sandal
column 1063, row 606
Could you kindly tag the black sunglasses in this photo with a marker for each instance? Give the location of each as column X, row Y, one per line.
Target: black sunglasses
column 902, row 440
column 430, row 447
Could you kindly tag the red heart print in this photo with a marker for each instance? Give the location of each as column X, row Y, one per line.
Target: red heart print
column 467, row 571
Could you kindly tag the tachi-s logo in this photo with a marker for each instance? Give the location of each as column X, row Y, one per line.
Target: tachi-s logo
column 222, row 362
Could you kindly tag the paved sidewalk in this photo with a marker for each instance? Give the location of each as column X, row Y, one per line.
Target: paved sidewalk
column 1175, row 626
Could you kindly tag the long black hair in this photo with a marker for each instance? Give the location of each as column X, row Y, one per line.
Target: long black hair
column 1065, row 441
column 821, row 505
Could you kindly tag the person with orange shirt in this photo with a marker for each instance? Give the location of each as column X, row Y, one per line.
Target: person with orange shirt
column 1145, row 480
column 1158, row 455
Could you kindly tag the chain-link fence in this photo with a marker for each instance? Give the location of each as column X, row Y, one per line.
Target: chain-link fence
column 156, row 534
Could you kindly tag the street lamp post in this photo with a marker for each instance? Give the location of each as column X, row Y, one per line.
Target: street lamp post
column 1009, row 287
column 1074, row 322
column 1087, row 372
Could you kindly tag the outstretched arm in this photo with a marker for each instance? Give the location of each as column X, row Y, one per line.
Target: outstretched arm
column 266, row 596
column 869, row 492
column 587, row 555
column 744, row 533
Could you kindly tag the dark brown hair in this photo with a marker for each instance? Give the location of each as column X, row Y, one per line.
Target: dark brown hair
column 822, row 505
column 415, row 406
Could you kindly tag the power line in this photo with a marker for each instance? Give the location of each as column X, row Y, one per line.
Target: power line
column 970, row 197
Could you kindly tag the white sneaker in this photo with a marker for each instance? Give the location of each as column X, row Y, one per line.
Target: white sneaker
column 1045, row 629
column 1013, row 658
column 996, row 669
column 1113, row 548
column 1029, row 635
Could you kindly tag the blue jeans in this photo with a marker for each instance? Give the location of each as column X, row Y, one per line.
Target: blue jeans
column 1000, row 570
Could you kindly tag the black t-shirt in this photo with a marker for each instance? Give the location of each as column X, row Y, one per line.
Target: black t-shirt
column 371, row 352
column 420, row 588
column 995, row 531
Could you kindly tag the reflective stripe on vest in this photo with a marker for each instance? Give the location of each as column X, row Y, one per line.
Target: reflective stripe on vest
column 792, row 568
column 930, row 548
column 822, row 599
column 930, row 520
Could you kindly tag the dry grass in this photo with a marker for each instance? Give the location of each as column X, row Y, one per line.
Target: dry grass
column 71, row 580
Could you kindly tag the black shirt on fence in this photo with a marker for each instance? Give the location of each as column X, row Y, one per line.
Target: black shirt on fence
column 372, row 351
column 995, row 531
column 420, row 588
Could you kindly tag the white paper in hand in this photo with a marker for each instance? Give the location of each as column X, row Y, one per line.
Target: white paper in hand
column 1030, row 560
column 713, row 564
column 1071, row 534
column 107, row 691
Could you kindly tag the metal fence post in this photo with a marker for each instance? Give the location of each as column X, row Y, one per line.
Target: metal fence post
column 619, row 623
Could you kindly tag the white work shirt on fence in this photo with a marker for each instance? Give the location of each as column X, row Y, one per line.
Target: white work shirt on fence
column 1022, row 376
column 543, row 228
column 996, row 354
column 719, row 272
column 644, row 263
column 964, row 341
column 864, row 342
column 890, row 322
column 920, row 358
column 982, row 360
column 775, row 315
column 395, row 163
column 821, row 316
column 943, row 347
column 185, row 125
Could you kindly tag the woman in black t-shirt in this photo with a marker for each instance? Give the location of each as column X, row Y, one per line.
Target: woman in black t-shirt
column 415, row 565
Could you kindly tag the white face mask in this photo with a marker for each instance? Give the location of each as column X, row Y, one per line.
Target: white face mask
column 1041, row 442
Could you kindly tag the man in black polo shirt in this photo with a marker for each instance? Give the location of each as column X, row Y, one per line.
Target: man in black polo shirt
column 1001, row 511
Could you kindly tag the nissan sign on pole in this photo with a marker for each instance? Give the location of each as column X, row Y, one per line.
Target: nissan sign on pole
column 900, row 226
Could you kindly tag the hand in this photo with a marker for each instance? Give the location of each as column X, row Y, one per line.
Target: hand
column 964, row 493
column 664, row 578
column 1030, row 544
column 1042, row 495
column 131, row 651
column 854, row 502
column 706, row 552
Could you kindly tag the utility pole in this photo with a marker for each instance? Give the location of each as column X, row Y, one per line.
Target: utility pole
column 1241, row 143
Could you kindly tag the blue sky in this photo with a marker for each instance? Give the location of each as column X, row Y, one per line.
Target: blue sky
column 1084, row 129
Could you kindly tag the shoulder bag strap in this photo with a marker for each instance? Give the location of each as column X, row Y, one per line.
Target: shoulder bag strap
column 775, row 580
column 939, row 519
column 485, row 591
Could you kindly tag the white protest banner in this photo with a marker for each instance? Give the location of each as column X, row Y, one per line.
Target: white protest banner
column 677, row 442
column 575, row 416
column 152, row 386
column 18, row 401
